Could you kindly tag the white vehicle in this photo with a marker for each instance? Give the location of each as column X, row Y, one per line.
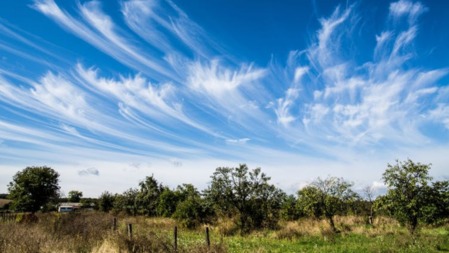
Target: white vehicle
column 68, row 207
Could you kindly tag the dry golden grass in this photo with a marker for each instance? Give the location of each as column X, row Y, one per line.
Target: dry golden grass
column 296, row 229
column 226, row 226
column 93, row 233
column 345, row 224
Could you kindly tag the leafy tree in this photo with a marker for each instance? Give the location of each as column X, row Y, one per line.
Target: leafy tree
column 438, row 197
column 326, row 198
column 289, row 210
column 75, row 196
column 185, row 191
column 127, row 202
column 168, row 200
column 142, row 201
column 192, row 210
column 33, row 188
column 309, row 201
column 148, row 196
column 247, row 194
column 106, row 201
column 411, row 196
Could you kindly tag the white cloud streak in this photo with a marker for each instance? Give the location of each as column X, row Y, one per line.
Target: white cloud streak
column 187, row 99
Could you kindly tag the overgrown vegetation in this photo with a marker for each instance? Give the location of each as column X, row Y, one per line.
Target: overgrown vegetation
column 412, row 197
column 326, row 198
column 33, row 188
column 93, row 232
column 243, row 202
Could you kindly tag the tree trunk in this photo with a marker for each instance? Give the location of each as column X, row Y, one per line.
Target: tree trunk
column 331, row 222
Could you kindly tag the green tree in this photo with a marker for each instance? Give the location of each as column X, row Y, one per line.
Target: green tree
column 246, row 194
column 168, row 200
column 326, row 198
column 33, row 188
column 289, row 210
column 411, row 195
column 438, row 197
column 75, row 196
column 106, row 201
column 148, row 196
column 127, row 202
column 192, row 210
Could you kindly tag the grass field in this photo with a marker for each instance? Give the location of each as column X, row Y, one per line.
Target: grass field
column 92, row 232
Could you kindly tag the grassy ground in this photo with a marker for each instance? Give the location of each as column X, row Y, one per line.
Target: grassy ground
column 92, row 232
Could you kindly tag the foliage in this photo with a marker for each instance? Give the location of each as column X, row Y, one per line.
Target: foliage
column 192, row 210
column 106, row 201
column 289, row 210
column 438, row 196
column 126, row 202
column 33, row 188
column 75, row 196
column 326, row 198
column 141, row 201
column 411, row 197
column 247, row 194
column 168, row 200
column 147, row 198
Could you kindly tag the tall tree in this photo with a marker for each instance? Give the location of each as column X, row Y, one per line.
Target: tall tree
column 127, row 202
column 438, row 197
column 33, row 188
column 411, row 196
column 106, row 201
column 167, row 202
column 289, row 210
column 192, row 210
column 148, row 196
column 246, row 194
column 326, row 197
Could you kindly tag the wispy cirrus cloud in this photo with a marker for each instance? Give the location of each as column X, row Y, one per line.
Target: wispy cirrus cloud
column 407, row 8
column 376, row 102
column 180, row 96
column 354, row 106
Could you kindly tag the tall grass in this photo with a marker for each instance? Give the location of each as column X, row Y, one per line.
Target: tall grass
column 93, row 233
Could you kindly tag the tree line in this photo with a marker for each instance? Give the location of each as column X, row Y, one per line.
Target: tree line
column 249, row 199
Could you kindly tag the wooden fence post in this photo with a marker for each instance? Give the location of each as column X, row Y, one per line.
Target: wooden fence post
column 207, row 238
column 130, row 231
column 175, row 234
column 114, row 224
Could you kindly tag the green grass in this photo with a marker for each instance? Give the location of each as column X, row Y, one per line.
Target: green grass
column 339, row 243
column 331, row 243
column 387, row 237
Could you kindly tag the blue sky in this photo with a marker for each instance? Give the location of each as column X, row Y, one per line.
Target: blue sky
column 108, row 92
